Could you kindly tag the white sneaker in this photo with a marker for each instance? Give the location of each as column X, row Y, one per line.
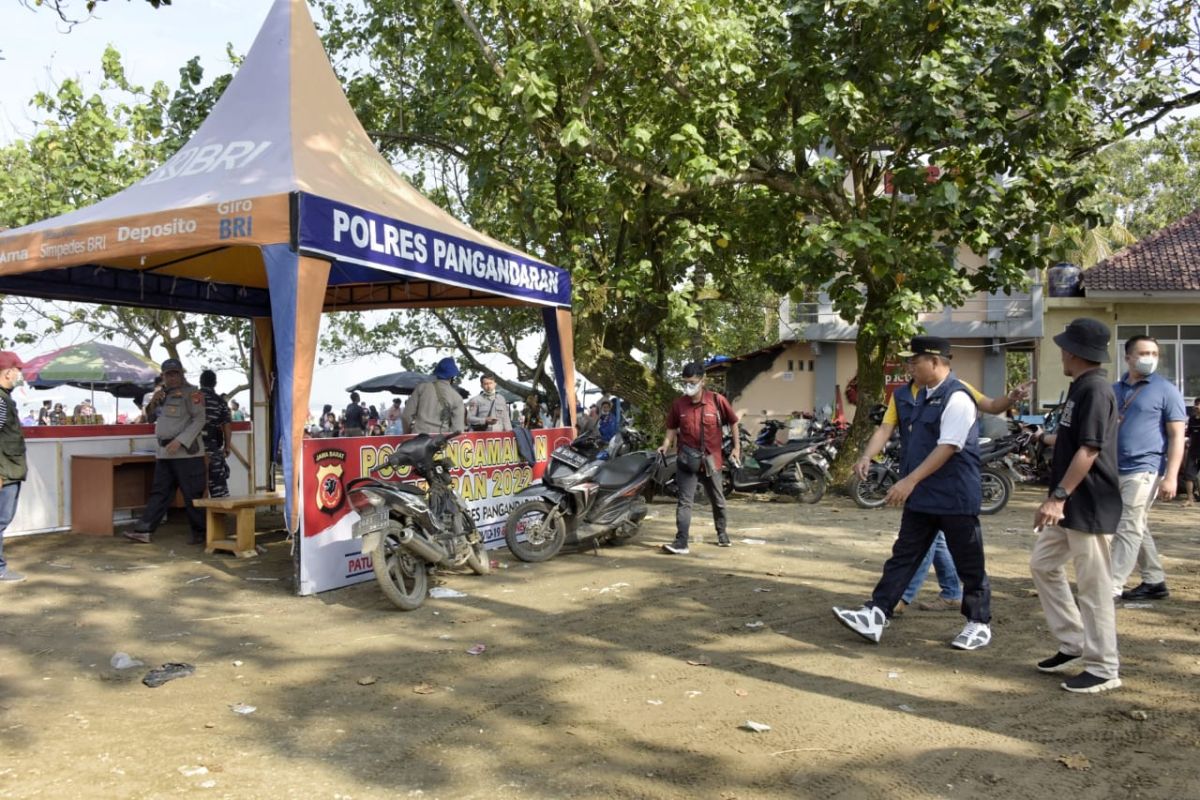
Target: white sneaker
column 868, row 621
column 974, row 636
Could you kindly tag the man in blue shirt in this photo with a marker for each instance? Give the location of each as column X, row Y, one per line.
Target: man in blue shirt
column 1152, row 416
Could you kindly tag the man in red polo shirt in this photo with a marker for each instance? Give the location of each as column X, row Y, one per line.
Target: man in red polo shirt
column 694, row 422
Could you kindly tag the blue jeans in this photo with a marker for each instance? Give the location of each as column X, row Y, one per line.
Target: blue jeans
column 947, row 577
column 8, row 509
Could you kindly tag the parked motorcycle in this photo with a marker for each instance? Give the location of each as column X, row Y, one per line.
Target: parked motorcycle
column 582, row 498
column 409, row 529
column 796, row 469
column 997, row 487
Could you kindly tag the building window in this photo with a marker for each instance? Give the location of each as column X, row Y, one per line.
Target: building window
column 790, row 362
column 810, row 365
column 803, row 308
column 1178, row 353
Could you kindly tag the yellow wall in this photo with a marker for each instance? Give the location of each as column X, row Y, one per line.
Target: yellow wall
column 1061, row 310
column 770, row 396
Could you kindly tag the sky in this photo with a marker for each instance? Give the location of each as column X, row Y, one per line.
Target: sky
column 39, row 51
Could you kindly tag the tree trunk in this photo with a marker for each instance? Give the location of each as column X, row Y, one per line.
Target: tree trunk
column 872, row 351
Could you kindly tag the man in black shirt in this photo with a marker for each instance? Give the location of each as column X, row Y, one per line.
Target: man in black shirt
column 354, row 417
column 1077, row 520
column 1191, row 458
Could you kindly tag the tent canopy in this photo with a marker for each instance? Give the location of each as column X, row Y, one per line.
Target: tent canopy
column 279, row 208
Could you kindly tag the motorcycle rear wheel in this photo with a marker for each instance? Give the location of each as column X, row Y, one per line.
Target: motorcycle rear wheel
column 996, row 488
column 813, row 481
column 403, row 577
column 871, row 491
column 543, row 544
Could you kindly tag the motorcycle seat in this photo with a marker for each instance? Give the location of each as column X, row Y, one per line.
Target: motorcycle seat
column 623, row 470
column 770, row 452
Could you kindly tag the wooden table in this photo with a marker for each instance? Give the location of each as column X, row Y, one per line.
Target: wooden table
column 101, row 485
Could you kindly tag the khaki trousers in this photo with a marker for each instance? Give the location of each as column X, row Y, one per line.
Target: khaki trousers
column 1089, row 629
column 1133, row 545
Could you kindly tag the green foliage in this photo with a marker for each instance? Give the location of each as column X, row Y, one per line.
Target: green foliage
column 624, row 140
column 1150, row 183
column 84, row 149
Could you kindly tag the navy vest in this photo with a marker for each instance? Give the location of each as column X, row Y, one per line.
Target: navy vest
column 955, row 488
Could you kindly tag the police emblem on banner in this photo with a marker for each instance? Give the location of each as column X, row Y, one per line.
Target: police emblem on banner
column 330, row 492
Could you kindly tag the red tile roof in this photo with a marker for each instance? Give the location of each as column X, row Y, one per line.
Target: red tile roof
column 1165, row 261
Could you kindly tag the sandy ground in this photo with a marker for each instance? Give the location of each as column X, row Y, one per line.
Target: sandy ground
column 622, row 674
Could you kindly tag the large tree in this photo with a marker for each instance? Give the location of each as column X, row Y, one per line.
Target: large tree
column 85, row 148
column 658, row 149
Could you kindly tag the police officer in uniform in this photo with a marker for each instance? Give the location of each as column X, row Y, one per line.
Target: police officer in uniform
column 217, row 433
column 179, row 407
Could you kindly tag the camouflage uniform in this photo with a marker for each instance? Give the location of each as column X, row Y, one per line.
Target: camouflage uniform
column 216, row 417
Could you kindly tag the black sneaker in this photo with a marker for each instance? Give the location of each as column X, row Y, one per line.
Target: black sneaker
column 1087, row 683
column 1147, row 591
column 723, row 540
column 1059, row 662
column 677, row 548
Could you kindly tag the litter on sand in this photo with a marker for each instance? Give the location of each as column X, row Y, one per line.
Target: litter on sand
column 755, row 624
column 444, row 591
column 123, row 661
column 754, row 541
column 167, row 672
column 243, row 709
column 757, row 727
column 476, row 649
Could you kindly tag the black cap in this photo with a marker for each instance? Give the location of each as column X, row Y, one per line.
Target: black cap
column 927, row 346
column 1086, row 338
column 693, row 370
column 172, row 365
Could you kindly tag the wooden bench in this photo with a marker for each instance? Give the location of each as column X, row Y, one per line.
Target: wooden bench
column 242, row 509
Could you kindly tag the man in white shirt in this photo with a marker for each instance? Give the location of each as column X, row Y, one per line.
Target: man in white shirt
column 939, row 490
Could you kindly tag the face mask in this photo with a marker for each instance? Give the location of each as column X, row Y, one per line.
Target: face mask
column 691, row 389
column 490, row 394
column 1146, row 364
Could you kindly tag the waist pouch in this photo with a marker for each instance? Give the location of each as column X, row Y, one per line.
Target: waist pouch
column 690, row 459
column 191, row 449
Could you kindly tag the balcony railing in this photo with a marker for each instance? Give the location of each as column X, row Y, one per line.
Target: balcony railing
column 983, row 315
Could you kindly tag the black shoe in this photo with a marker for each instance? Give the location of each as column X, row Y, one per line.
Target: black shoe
column 678, row 547
column 141, row 537
column 196, row 538
column 723, row 540
column 1147, row 591
column 1059, row 662
column 1087, row 683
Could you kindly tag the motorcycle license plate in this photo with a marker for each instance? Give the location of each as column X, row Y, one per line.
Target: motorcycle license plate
column 372, row 521
column 566, row 454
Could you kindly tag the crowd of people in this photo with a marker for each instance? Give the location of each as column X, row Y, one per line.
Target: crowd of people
column 436, row 406
column 1118, row 447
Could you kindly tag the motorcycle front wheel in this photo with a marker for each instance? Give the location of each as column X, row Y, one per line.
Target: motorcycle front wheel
column 812, row 483
column 403, row 577
column 542, row 542
column 996, row 490
column 870, row 492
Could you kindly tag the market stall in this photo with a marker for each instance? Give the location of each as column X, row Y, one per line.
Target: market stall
column 280, row 208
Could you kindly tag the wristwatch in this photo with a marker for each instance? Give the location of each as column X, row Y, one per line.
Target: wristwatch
column 1059, row 493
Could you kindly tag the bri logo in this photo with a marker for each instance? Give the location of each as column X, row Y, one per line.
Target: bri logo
column 208, row 158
